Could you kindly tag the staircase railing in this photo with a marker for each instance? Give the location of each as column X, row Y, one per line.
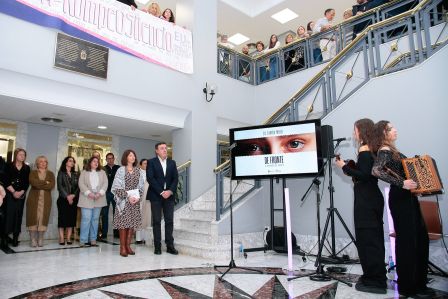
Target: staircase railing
column 393, row 44
column 183, row 190
column 303, row 53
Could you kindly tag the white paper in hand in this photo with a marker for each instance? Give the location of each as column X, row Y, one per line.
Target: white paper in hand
column 133, row 193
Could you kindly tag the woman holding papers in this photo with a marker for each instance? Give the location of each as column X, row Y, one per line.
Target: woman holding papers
column 128, row 188
column 92, row 197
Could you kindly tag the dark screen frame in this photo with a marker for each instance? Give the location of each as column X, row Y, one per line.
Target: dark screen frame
column 317, row 126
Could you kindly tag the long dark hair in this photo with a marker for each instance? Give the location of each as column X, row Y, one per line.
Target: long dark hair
column 365, row 130
column 171, row 20
column 379, row 139
column 271, row 44
column 63, row 167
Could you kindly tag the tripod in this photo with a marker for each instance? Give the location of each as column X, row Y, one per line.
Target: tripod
column 330, row 216
column 319, row 274
column 232, row 264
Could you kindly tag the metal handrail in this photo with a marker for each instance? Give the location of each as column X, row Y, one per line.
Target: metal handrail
column 343, row 52
column 362, row 35
column 221, row 166
column 184, row 165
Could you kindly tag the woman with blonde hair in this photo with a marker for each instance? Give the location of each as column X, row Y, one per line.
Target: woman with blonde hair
column 153, row 9
column 38, row 205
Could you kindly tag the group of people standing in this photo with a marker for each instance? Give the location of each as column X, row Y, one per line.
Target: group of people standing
column 125, row 187
column 378, row 158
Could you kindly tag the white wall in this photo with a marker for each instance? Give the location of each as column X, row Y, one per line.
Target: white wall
column 414, row 100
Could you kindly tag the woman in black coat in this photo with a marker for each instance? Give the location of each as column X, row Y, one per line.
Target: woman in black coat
column 68, row 198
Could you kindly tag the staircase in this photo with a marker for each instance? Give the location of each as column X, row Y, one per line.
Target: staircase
column 196, row 230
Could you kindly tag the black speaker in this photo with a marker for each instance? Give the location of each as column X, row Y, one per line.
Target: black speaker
column 279, row 240
column 327, row 141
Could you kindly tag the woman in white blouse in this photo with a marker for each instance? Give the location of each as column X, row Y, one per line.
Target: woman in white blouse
column 92, row 187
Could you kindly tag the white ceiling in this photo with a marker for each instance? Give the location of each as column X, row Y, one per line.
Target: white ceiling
column 261, row 26
column 32, row 112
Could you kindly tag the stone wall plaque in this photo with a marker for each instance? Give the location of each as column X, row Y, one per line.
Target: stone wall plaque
column 80, row 56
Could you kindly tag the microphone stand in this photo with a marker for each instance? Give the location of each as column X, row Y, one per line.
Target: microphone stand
column 232, row 264
column 320, row 274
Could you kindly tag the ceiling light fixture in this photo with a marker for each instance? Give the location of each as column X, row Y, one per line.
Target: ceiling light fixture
column 102, row 127
column 51, row 119
column 284, row 16
column 238, row 39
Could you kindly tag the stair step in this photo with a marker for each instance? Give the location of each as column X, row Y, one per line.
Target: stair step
column 183, row 234
column 203, row 214
column 196, row 225
column 204, row 205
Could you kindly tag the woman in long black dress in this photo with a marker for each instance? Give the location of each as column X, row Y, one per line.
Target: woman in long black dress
column 368, row 212
column 68, row 198
column 411, row 242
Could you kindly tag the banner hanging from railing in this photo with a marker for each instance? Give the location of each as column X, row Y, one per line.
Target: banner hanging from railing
column 112, row 24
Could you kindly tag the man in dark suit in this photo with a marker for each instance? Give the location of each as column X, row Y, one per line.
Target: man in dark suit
column 162, row 177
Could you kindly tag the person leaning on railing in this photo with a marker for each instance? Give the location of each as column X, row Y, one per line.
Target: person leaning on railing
column 294, row 58
column 244, row 66
column 302, row 33
column 168, row 16
column 153, row 9
column 317, row 53
column 327, row 43
column 272, row 63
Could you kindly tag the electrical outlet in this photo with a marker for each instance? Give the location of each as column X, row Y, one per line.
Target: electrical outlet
column 266, row 228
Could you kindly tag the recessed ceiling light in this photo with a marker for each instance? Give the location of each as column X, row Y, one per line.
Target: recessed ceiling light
column 51, row 119
column 284, row 16
column 238, row 39
column 156, row 135
column 102, row 127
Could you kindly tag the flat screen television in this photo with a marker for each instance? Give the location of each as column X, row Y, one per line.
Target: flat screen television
column 276, row 150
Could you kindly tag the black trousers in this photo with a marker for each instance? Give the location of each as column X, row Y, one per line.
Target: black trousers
column 368, row 216
column 14, row 214
column 411, row 242
column 370, row 245
column 167, row 207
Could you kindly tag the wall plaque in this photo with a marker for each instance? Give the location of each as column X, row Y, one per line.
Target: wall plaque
column 80, row 56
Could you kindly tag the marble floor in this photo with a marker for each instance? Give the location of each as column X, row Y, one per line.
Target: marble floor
column 55, row 271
